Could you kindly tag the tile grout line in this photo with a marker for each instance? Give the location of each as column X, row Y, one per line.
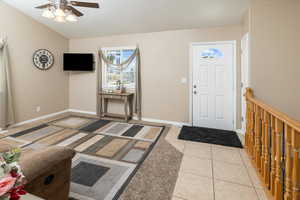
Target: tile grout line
column 244, row 185
column 235, row 183
column 177, row 197
column 211, row 160
column 229, row 163
column 212, row 171
column 197, row 157
column 192, row 173
column 179, row 174
column 255, row 189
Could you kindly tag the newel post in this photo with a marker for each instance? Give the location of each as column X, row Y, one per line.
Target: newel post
column 249, row 119
column 249, row 93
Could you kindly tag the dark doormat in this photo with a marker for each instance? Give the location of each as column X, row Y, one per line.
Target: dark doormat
column 211, row 136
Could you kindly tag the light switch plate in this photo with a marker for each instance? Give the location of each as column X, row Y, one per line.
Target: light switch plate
column 183, row 80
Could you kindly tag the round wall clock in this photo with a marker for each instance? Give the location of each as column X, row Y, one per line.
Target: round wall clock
column 43, row 59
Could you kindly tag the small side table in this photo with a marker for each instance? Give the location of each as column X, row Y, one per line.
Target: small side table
column 126, row 98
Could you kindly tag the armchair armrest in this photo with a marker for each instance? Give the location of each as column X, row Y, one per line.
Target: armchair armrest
column 4, row 147
column 37, row 162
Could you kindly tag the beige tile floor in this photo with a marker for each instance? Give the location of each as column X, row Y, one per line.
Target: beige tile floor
column 213, row 172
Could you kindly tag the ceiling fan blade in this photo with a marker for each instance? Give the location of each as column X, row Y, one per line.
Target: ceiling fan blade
column 43, row 6
column 84, row 4
column 75, row 11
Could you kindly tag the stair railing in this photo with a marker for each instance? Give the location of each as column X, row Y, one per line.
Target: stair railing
column 272, row 141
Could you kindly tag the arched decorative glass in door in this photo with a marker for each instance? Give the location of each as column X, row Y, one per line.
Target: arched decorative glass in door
column 211, row 53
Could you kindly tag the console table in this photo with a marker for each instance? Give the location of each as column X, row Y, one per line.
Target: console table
column 126, row 98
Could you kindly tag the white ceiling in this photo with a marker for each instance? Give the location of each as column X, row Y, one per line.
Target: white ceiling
column 139, row 16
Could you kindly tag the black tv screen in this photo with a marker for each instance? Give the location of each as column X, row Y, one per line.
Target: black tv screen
column 78, row 62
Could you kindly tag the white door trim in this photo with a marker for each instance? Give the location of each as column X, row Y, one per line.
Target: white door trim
column 247, row 35
column 233, row 42
column 247, row 71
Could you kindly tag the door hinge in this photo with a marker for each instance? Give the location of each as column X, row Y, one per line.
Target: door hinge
column 242, row 118
column 242, row 84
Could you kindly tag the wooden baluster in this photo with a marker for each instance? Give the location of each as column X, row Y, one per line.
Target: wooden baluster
column 288, row 163
column 273, row 153
column 247, row 135
column 251, row 131
column 266, row 167
column 278, row 160
column 263, row 143
column 296, row 165
column 257, row 137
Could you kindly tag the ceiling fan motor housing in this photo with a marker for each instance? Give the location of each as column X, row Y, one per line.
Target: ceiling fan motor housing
column 66, row 6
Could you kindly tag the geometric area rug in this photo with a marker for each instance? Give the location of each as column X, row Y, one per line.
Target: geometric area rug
column 96, row 178
column 108, row 152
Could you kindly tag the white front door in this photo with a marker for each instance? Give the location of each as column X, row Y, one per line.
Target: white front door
column 213, row 85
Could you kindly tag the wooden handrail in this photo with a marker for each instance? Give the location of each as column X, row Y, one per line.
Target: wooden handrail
column 273, row 111
column 272, row 141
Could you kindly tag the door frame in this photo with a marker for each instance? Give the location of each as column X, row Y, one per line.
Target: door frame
column 243, row 70
column 234, row 87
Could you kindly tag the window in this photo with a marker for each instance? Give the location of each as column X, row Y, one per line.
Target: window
column 211, row 53
column 113, row 74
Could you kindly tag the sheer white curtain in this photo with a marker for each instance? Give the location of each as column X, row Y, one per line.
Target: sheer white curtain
column 6, row 106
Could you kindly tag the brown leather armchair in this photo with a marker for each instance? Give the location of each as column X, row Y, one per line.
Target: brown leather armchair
column 47, row 171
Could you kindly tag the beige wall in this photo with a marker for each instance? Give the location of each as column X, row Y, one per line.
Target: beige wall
column 32, row 87
column 164, row 59
column 274, row 30
column 246, row 22
column 275, row 63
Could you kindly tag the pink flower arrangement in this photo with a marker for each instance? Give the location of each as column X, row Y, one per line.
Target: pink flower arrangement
column 11, row 177
column 6, row 184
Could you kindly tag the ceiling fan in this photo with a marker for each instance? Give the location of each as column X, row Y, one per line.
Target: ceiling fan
column 63, row 10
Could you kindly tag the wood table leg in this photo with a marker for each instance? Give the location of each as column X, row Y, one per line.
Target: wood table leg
column 125, row 109
column 105, row 105
column 131, row 107
column 100, row 106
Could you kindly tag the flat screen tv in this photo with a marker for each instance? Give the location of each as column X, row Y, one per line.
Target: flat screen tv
column 78, row 62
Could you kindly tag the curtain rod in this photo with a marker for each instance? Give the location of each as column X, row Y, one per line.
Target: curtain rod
column 119, row 47
column 3, row 38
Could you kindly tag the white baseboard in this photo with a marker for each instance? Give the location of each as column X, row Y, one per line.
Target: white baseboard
column 40, row 118
column 135, row 118
column 240, row 131
column 3, row 131
column 82, row 112
column 180, row 124
column 174, row 123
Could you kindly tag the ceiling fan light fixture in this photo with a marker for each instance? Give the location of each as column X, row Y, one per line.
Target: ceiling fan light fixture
column 71, row 18
column 60, row 19
column 48, row 13
column 63, row 10
column 59, row 13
